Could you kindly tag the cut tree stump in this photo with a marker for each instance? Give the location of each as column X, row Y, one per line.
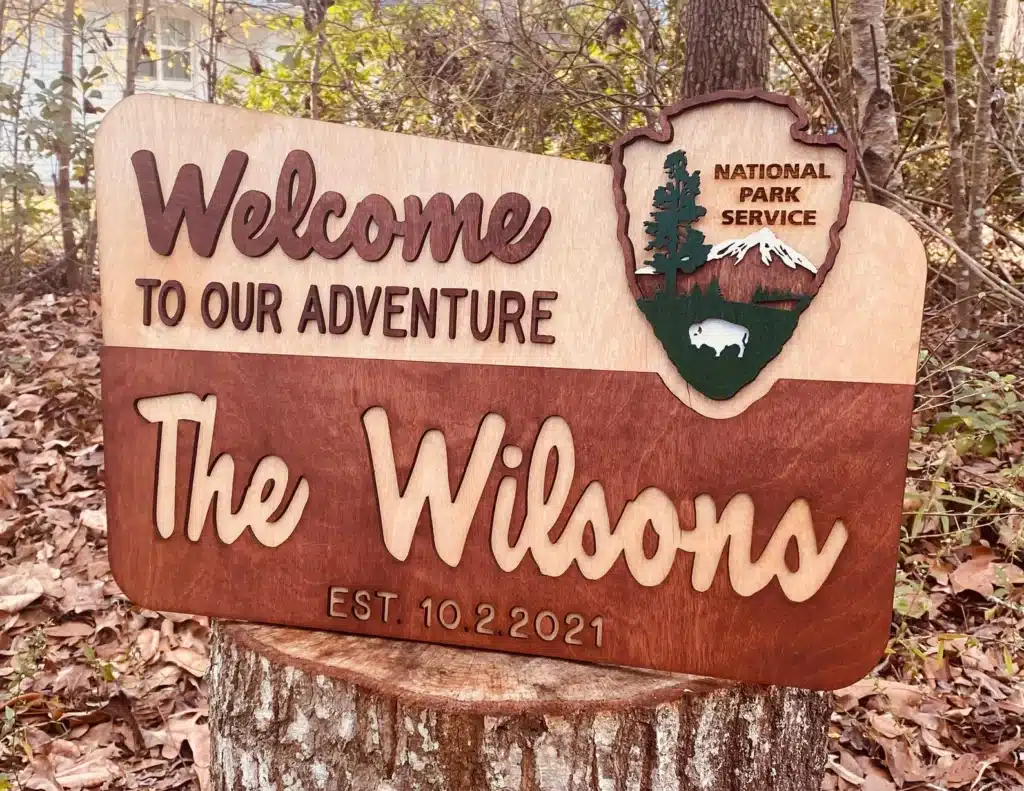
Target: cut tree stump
column 295, row 710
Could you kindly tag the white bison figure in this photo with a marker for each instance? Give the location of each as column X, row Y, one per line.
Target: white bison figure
column 719, row 333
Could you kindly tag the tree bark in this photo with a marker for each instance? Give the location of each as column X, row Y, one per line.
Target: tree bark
column 876, row 110
column 19, row 202
column 135, row 35
column 981, row 151
column 131, row 60
column 955, row 174
column 314, row 77
column 65, row 136
column 212, row 51
column 648, row 29
column 726, row 46
column 293, row 709
column 313, row 14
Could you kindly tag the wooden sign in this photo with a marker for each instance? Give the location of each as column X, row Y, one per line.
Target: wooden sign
column 654, row 413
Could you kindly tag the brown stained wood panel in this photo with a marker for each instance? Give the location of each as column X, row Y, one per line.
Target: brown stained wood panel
column 737, row 284
column 842, row 446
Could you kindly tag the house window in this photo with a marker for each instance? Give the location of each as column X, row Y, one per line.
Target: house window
column 176, row 48
column 173, row 56
column 147, row 60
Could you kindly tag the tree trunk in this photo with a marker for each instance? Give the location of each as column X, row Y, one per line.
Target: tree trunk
column 212, row 52
column 876, row 110
column 131, row 62
column 955, row 174
column 981, row 150
column 313, row 14
column 648, row 29
column 314, row 77
column 726, row 46
column 65, row 135
column 294, row 709
column 19, row 202
column 135, row 26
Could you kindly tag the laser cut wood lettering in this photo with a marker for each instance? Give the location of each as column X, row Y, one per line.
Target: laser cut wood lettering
column 405, row 387
column 210, row 486
column 256, row 229
column 554, row 453
column 452, row 517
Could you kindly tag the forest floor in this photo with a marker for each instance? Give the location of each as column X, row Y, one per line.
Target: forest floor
column 97, row 693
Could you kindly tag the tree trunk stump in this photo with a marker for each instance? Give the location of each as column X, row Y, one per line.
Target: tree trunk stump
column 295, row 710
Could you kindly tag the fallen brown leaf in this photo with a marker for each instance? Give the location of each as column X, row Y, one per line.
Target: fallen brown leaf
column 982, row 574
column 18, row 591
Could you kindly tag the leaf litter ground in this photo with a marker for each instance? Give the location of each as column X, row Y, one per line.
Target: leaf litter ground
column 96, row 693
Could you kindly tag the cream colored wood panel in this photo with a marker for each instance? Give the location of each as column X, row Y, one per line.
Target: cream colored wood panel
column 863, row 325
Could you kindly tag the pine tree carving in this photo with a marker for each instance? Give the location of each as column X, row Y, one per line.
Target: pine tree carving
column 679, row 245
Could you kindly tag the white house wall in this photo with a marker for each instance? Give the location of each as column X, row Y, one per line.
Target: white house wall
column 105, row 45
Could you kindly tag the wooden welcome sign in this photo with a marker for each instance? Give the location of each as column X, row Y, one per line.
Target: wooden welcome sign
column 654, row 413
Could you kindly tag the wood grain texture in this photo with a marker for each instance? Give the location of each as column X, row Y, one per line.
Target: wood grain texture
column 863, row 327
column 446, row 678
column 335, row 399
column 309, row 710
column 841, row 446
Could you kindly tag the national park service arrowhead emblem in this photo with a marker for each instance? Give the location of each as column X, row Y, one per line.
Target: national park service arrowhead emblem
column 729, row 217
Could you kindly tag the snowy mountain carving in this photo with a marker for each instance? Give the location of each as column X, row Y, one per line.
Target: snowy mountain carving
column 768, row 245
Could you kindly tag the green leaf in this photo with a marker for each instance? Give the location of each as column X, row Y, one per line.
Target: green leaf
column 964, row 444
column 947, row 423
column 986, row 446
column 911, row 601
